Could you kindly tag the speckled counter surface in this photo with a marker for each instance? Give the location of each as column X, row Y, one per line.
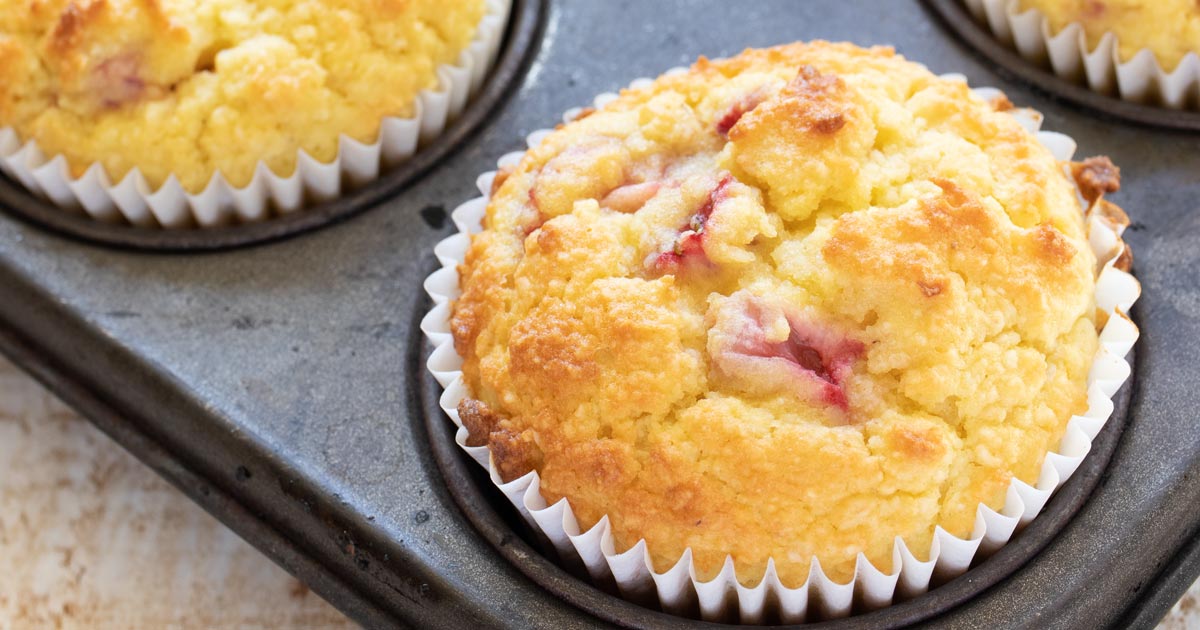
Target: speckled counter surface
column 90, row 538
column 1186, row 613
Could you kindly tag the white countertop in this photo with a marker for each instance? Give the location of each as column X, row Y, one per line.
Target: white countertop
column 90, row 538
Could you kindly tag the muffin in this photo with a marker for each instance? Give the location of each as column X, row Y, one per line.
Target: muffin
column 1142, row 51
column 1168, row 28
column 795, row 304
column 186, row 90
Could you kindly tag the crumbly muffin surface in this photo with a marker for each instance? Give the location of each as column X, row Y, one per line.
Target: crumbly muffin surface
column 795, row 303
column 1169, row 28
column 192, row 87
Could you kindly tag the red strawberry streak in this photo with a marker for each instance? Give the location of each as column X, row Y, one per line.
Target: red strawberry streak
column 743, row 106
column 689, row 246
column 814, row 352
column 539, row 219
column 825, row 361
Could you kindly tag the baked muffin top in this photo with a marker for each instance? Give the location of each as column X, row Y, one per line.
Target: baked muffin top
column 192, row 87
column 793, row 303
column 1169, row 28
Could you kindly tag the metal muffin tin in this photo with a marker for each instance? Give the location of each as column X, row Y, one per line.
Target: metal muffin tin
column 283, row 386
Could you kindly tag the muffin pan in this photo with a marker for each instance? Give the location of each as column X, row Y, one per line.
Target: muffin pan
column 283, row 386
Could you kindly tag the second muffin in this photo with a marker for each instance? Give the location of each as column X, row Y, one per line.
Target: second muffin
column 194, row 88
column 1143, row 51
column 197, row 112
column 1168, row 28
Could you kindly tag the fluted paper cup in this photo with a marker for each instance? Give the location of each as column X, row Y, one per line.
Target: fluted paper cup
column 132, row 199
column 678, row 588
column 1141, row 79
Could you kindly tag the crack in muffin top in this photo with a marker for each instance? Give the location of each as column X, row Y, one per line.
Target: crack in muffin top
column 193, row 87
column 793, row 303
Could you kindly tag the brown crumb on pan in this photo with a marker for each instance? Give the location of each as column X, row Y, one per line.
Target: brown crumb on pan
column 1096, row 176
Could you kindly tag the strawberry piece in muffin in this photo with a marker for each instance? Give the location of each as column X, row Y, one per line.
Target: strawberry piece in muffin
column 764, row 346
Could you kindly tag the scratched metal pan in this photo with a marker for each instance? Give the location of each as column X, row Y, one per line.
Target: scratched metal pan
column 282, row 386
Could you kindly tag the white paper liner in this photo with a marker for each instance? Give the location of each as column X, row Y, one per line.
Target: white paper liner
column 220, row 203
column 677, row 588
column 1142, row 79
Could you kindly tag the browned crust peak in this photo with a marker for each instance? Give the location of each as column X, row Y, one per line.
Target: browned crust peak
column 514, row 454
column 811, row 102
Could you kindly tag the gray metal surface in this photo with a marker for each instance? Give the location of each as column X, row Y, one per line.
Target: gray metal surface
column 281, row 385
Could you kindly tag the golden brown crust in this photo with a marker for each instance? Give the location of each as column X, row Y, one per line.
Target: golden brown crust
column 797, row 302
column 1052, row 246
column 1001, row 103
column 812, row 102
column 515, row 454
column 918, row 444
column 68, row 31
column 502, row 174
